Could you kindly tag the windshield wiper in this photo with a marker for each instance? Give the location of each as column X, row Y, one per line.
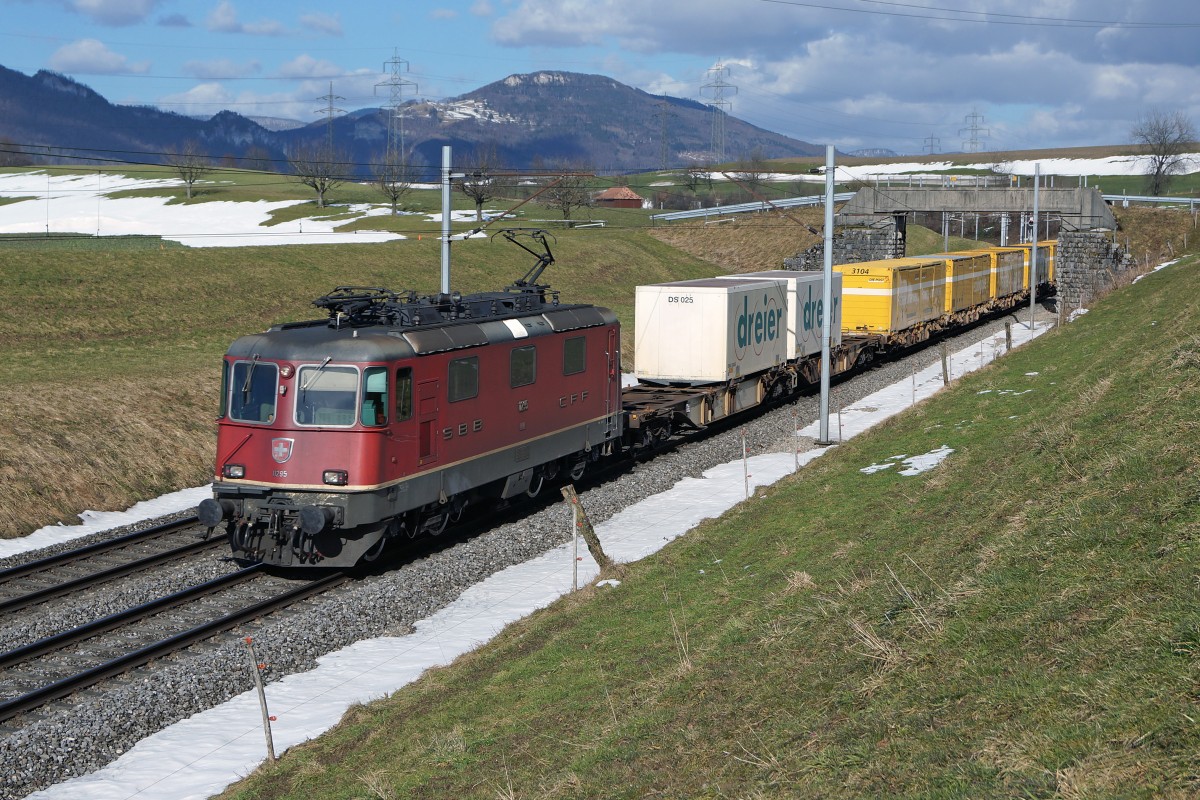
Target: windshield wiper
column 249, row 375
column 312, row 376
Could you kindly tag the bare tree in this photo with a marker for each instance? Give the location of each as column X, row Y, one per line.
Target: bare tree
column 191, row 164
column 318, row 167
column 1166, row 137
column 697, row 173
column 570, row 192
column 752, row 170
column 393, row 177
column 479, row 181
column 11, row 154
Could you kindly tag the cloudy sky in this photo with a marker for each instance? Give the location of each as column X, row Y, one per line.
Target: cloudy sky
column 914, row 76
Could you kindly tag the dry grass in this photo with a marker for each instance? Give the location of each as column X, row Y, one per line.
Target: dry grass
column 1153, row 235
column 68, row 448
column 748, row 242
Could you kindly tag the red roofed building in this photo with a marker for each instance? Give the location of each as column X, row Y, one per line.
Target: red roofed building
column 620, row 197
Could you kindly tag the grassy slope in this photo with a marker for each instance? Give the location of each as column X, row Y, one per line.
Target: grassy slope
column 1022, row 621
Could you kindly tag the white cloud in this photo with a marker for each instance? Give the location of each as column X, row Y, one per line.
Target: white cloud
column 224, row 19
column 305, row 66
column 93, row 57
column 322, row 23
column 896, row 75
column 115, row 12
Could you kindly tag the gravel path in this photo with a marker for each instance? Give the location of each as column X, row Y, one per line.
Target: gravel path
column 80, row 736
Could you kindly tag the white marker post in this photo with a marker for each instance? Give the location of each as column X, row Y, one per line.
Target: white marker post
column 1033, row 251
column 446, row 219
column 827, row 297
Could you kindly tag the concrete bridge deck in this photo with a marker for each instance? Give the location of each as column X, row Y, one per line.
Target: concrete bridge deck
column 1081, row 208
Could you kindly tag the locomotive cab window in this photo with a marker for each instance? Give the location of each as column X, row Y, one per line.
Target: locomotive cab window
column 574, row 355
column 404, row 387
column 374, row 396
column 327, row 396
column 522, row 366
column 252, row 392
column 224, row 390
column 463, row 379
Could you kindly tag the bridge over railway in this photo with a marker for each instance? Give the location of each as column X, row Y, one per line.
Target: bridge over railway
column 1080, row 208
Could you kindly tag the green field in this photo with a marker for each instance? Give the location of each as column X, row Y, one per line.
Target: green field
column 1020, row 622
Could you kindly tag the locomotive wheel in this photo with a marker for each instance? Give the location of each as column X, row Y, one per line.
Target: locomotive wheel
column 376, row 550
column 577, row 469
column 435, row 525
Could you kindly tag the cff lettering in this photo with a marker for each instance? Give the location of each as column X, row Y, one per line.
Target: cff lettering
column 758, row 326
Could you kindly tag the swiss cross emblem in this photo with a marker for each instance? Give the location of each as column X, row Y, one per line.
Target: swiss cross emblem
column 281, row 449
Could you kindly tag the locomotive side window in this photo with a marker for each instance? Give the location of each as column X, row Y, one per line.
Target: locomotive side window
column 252, row 392
column 327, row 395
column 464, row 379
column 574, row 355
column 404, row 387
column 374, row 396
column 522, row 366
column 224, row 390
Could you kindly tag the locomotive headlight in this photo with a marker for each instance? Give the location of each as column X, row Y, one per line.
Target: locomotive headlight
column 335, row 477
column 233, row 471
column 286, row 370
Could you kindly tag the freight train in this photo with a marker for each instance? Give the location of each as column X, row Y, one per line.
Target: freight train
column 389, row 417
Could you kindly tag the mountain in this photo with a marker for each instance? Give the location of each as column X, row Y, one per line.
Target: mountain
column 544, row 118
column 54, row 118
column 873, row 152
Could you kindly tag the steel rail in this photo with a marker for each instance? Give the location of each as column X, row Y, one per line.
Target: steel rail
column 41, row 564
column 122, row 618
column 59, row 589
column 141, row 656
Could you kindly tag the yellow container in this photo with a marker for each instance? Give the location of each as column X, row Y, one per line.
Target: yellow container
column 1046, row 251
column 1051, row 247
column 968, row 279
column 1007, row 270
column 892, row 294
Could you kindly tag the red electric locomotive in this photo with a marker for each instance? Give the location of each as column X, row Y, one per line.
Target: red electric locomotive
column 385, row 420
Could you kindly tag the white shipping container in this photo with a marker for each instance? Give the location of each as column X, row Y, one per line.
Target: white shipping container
column 806, row 313
column 709, row 330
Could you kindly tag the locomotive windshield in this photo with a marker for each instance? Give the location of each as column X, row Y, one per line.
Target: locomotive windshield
column 327, row 396
column 253, row 392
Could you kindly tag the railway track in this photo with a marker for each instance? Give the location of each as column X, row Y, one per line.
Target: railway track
column 57, row 666
column 85, row 567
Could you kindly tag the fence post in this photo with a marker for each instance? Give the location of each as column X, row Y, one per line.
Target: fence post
column 584, row 526
column 262, row 697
